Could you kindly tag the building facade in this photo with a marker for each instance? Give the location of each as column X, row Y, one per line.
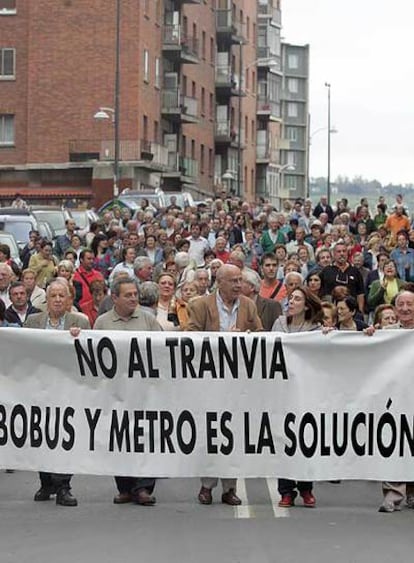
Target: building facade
column 295, row 113
column 199, row 97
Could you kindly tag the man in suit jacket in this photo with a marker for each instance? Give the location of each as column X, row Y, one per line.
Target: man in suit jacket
column 56, row 317
column 224, row 311
column 268, row 310
column 323, row 207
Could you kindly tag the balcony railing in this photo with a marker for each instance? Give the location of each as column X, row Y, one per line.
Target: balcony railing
column 175, row 36
column 264, row 105
column 267, row 58
column 268, row 11
column 264, row 152
column 174, row 102
column 229, row 133
column 104, row 150
column 226, row 22
column 188, row 167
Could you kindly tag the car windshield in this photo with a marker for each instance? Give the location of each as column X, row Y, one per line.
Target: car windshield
column 20, row 230
column 55, row 218
column 5, row 238
column 81, row 218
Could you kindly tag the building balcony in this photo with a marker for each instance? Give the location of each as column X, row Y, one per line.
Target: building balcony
column 227, row 134
column 227, row 82
column 228, row 28
column 180, row 2
column 178, row 46
column 267, row 155
column 184, row 172
column 268, row 12
column 179, row 108
column 269, row 108
column 267, row 59
column 147, row 153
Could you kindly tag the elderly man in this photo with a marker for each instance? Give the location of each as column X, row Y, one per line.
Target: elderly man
column 56, row 317
column 268, row 310
column 225, row 311
column 20, row 307
column 127, row 315
column 143, row 269
column 6, row 277
column 394, row 493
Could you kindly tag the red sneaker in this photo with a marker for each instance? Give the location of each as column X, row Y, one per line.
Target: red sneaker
column 308, row 499
column 287, row 500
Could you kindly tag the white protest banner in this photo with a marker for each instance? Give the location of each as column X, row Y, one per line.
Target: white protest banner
column 303, row 406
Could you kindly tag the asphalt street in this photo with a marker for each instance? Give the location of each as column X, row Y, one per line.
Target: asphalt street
column 344, row 527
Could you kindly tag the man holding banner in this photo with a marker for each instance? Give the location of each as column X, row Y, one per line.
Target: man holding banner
column 56, row 317
column 225, row 311
column 127, row 315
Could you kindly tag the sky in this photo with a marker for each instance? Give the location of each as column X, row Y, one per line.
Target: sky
column 365, row 50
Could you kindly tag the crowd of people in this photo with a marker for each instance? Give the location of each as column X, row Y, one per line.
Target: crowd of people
column 224, row 265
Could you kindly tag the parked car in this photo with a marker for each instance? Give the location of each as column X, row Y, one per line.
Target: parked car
column 133, row 200
column 8, row 238
column 84, row 218
column 55, row 216
column 19, row 226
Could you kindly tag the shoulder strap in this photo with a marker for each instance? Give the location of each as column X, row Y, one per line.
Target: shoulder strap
column 275, row 291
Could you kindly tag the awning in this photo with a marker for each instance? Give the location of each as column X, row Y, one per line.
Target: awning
column 45, row 193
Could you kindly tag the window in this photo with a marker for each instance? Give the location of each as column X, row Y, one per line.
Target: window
column 203, row 45
column 146, row 65
column 202, row 158
column 157, row 72
column 292, row 133
column 7, row 63
column 291, row 158
column 7, row 7
column 211, row 108
column 145, row 127
column 210, row 162
column 212, row 51
column 193, row 149
column 293, row 85
column 6, row 129
column 203, row 101
column 293, row 61
column 292, row 109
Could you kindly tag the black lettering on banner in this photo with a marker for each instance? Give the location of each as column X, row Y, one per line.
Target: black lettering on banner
column 151, row 416
column 92, row 420
column 18, row 412
column 340, row 448
column 265, row 435
column 186, row 418
column 290, row 449
column 136, row 363
column 278, row 363
column 308, row 420
column 52, row 440
column 211, row 432
column 139, row 447
column 3, row 426
column 36, row 436
column 89, row 357
column 187, row 356
column 166, row 429
column 358, row 448
column 407, row 435
column 248, row 447
column 231, row 359
column 385, row 420
column 119, row 432
column 172, row 343
column 68, row 443
column 152, row 371
column 325, row 449
column 371, row 433
column 207, row 359
column 227, row 433
column 249, row 359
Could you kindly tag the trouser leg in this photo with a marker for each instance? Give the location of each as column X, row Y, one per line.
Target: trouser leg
column 209, row 482
column 393, row 492
column 228, row 484
column 304, row 486
column 124, row 484
column 55, row 481
column 286, row 486
column 147, row 483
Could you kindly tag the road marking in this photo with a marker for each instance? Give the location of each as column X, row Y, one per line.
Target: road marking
column 244, row 510
column 274, row 498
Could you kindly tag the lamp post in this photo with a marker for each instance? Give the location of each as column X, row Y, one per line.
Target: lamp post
column 332, row 131
column 328, row 179
column 104, row 112
column 282, row 170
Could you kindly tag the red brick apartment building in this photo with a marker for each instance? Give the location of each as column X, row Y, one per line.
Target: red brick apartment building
column 199, row 97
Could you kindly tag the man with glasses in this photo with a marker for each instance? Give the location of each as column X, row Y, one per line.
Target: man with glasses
column 342, row 274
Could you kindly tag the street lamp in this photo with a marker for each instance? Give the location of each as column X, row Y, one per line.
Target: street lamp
column 271, row 63
column 281, row 172
column 104, row 112
column 332, row 131
column 328, row 180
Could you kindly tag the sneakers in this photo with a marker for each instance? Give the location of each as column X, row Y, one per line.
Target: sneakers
column 287, row 500
column 388, row 506
column 308, row 499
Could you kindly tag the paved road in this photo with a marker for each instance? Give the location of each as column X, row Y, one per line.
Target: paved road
column 345, row 527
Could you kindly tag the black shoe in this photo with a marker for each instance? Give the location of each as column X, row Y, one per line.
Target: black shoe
column 43, row 494
column 64, row 498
